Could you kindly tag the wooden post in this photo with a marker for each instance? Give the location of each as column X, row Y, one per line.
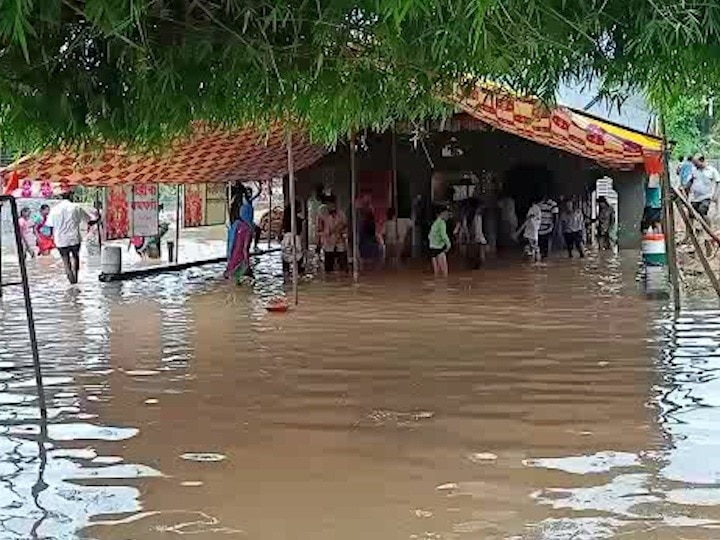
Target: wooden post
column 679, row 196
column 353, row 210
column 293, row 217
column 395, row 187
column 270, row 214
column 668, row 221
column 698, row 250
column 178, row 215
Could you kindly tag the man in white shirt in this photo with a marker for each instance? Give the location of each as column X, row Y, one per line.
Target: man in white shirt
column 65, row 219
column 703, row 185
column 704, row 190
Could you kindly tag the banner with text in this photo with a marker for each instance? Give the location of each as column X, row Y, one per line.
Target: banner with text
column 145, row 210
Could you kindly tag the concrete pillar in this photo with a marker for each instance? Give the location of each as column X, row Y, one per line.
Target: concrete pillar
column 630, row 188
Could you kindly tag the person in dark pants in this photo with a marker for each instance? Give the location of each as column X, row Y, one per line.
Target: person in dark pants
column 548, row 218
column 332, row 233
column 572, row 223
column 605, row 223
column 65, row 219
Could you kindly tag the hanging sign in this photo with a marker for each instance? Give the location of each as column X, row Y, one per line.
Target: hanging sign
column 204, row 204
column 194, row 205
column 118, row 200
column 145, row 210
column 215, row 204
column 35, row 189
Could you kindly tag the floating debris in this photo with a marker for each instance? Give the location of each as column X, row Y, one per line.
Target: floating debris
column 208, row 457
column 480, row 457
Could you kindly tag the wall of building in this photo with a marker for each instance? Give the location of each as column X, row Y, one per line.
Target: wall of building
column 527, row 169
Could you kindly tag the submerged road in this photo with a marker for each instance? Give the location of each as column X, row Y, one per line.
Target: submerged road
column 551, row 403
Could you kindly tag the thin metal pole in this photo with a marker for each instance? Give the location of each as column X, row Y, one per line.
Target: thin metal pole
column 698, row 249
column 353, row 209
column 270, row 216
column 669, row 220
column 177, row 225
column 293, row 220
column 30, row 318
column 100, row 220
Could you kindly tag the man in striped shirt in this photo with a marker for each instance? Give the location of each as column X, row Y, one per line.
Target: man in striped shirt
column 548, row 219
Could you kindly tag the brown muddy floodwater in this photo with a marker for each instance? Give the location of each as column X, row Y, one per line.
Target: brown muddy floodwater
column 513, row 403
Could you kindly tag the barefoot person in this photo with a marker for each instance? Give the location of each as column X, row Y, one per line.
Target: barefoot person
column 439, row 243
column 65, row 218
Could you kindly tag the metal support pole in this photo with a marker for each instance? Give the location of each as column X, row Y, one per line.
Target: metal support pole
column 177, row 225
column 698, row 250
column 100, row 220
column 293, row 216
column 30, row 317
column 668, row 216
column 353, row 210
column 270, row 216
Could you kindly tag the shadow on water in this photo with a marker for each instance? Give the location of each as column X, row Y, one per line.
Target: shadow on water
column 549, row 403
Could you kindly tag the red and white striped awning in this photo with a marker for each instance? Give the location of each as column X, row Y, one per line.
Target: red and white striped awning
column 206, row 156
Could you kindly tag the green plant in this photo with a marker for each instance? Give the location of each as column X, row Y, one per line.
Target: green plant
column 141, row 71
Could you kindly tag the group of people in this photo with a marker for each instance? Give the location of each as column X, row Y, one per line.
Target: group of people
column 35, row 233
column 58, row 228
column 545, row 221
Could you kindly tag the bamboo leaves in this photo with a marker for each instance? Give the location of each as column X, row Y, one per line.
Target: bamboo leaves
column 142, row 72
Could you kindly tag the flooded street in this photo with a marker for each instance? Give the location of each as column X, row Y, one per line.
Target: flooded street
column 511, row 403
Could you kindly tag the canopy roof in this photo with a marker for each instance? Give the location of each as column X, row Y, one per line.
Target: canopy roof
column 608, row 144
column 206, row 156
column 244, row 155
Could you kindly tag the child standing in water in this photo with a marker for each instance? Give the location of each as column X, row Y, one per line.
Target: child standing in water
column 440, row 243
column 531, row 230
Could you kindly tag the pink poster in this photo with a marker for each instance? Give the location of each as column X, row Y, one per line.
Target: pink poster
column 117, row 212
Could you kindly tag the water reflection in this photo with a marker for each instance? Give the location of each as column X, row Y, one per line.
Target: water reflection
column 512, row 403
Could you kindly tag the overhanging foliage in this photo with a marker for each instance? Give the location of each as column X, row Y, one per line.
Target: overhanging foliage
column 142, row 71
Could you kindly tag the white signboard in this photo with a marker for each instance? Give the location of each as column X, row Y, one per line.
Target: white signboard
column 145, row 210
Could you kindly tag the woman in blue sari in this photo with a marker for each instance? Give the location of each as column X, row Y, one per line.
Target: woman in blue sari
column 238, row 246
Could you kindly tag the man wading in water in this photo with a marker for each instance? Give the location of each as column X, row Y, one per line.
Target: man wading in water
column 65, row 219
